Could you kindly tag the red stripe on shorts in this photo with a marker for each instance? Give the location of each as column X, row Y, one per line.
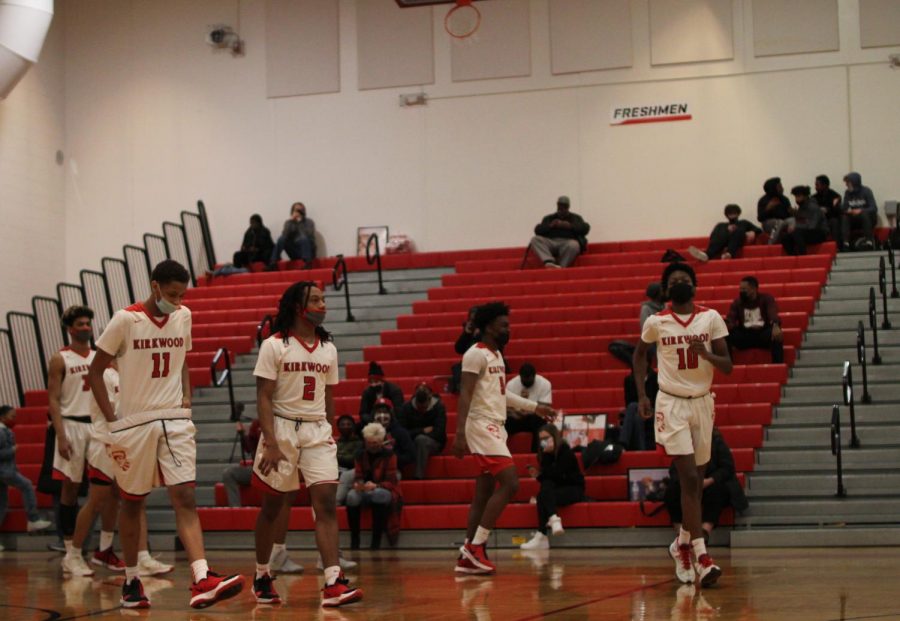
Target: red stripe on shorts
column 93, row 473
column 494, row 464
column 262, row 486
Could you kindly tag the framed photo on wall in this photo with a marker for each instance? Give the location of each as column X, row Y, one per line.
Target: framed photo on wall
column 580, row 429
column 644, row 482
column 363, row 234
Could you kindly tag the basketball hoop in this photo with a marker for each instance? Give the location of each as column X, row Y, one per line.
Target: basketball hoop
column 462, row 20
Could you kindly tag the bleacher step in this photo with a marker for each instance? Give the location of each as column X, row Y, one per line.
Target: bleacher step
column 803, row 537
column 821, row 416
column 847, row 338
column 819, row 437
column 825, row 510
column 834, row 357
column 797, row 395
column 882, row 457
column 878, row 374
column 772, row 485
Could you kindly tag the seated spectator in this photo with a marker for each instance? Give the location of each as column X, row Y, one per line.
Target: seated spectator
column 257, row 244
column 810, row 226
column 561, row 236
column 721, row 488
column 624, row 350
column 397, row 438
column 425, row 418
column 298, row 238
column 377, row 389
column 773, row 210
column 562, row 483
column 528, row 385
column 349, row 445
column 376, row 484
column 466, row 339
column 859, row 212
column 635, row 432
column 727, row 238
column 829, row 202
column 10, row 475
column 753, row 321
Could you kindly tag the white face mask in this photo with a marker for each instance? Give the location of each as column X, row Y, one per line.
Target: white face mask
column 164, row 305
column 546, row 444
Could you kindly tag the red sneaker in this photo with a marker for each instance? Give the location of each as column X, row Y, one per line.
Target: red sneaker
column 214, row 588
column 340, row 593
column 707, row 570
column 477, row 555
column 107, row 558
column 465, row 566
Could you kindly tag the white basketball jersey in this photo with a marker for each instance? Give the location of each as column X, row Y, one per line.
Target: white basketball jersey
column 111, row 380
column 489, row 395
column 151, row 353
column 683, row 373
column 76, row 398
column 300, row 372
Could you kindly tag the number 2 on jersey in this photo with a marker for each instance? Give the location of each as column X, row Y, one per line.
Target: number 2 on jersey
column 160, row 364
column 309, row 388
column 687, row 359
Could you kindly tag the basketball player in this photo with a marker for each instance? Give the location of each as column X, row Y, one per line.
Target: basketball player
column 71, row 404
column 152, row 440
column 481, row 414
column 296, row 372
column 691, row 345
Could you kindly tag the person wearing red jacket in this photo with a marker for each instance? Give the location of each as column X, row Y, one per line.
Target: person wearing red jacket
column 753, row 321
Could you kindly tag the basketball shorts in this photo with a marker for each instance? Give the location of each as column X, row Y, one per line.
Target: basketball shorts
column 152, row 453
column 100, row 465
column 79, row 436
column 684, row 426
column 310, row 451
column 486, row 439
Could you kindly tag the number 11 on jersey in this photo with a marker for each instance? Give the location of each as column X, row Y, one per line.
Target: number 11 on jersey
column 160, row 364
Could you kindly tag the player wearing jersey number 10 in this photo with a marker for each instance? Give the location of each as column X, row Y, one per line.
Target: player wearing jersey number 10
column 296, row 372
column 691, row 346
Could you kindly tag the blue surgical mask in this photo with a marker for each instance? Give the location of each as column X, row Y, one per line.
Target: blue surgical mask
column 165, row 306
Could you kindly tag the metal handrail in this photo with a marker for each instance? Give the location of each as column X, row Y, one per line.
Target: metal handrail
column 144, row 292
column 847, row 381
column 224, row 377
column 340, row 281
column 207, row 235
column 873, row 325
column 891, row 260
column 267, row 320
column 14, row 360
column 836, row 449
column 376, row 259
column 882, row 287
column 861, row 359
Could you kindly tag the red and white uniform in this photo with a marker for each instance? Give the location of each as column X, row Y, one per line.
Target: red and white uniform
column 153, row 439
column 100, row 466
column 75, row 404
column 685, row 411
column 485, row 431
column 300, row 372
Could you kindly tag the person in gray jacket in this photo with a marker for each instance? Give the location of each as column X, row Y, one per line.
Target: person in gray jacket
column 810, row 226
column 298, row 238
column 859, row 211
column 10, row 475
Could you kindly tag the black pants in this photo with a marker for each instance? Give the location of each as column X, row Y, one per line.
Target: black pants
column 552, row 496
column 526, row 424
column 794, row 243
column 757, row 338
column 721, row 239
column 837, row 233
column 864, row 221
column 714, row 499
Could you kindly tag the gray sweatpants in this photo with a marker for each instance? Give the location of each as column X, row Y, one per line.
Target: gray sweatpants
column 563, row 252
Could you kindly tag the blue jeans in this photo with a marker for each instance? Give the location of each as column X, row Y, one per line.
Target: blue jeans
column 633, row 433
column 378, row 496
column 27, row 490
column 300, row 248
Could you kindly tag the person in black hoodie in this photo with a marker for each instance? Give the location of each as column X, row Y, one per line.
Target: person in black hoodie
column 727, row 238
column 562, row 483
column 810, row 225
column 378, row 388
column 829, row 202
column 859, row 211
column 257, row 244
column 561, row 236
column 425, row 418
column 773, row 210
column 397, row 439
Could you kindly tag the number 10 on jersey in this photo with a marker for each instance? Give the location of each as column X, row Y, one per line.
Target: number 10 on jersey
column 687, row 359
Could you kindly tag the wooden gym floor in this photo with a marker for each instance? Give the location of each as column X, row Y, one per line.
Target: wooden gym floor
column 622, row 584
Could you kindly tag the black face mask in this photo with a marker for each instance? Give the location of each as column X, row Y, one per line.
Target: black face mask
column 732, row 220
column 681, row 292
column 746, row 298
column 502, row 340
column 422, row 398
column 528, row 383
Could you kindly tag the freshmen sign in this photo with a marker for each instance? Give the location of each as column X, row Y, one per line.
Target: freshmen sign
column 653, row 113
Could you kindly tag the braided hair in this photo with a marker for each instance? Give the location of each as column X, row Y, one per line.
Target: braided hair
column 295, row 297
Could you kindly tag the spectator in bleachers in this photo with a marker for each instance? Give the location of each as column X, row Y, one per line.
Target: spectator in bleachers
column 753, row 321
column 636, row 432
column 257, row 244
column 860, row 211
column 466, row 339
column 528, row 385
column 829, row 202
column 773, row 210
column 349, row 444
column 378, row 388
column 562, row 483
column 397, row 438
column 298, row 238
column 425, row 418
column 376, row 484
column 561, row 236
column 654, row 303
column 810, row 225
column 721, row 488
column 10, row 475
column 727, row 238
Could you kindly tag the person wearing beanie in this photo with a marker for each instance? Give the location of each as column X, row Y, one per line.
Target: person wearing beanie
column 561, row 236
column 727, row 238
column 378, row 388
column 773, row 210
column 860, row 211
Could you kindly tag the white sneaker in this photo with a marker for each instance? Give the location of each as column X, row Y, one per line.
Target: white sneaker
column 538, row 542
column 280, row 562
column 698, row 254
column 1, row 547
column 152, row 567
column 39, row 525
column 346, row 563
column 707, row 571
column 555, row 524
column 684, row 568
column 76, row 566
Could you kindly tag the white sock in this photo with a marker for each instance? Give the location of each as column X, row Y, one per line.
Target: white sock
column 73, row 552
column 199, row 569
column 143, row 555
column 69, row 546
column 106, row 539
column 276, row 548
column 332, row 574
column 261, row 570
column 699, row 546
column 481, row 536
column 683, row 537
column 131, row 573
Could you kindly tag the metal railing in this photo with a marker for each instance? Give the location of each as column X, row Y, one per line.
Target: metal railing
column 27, row 349
column 836, row 449
column 376, row 259
column 10, row 391
column 873, row 326
column 891, row 260
column 849, row 401
column 118, row 283
column 882, row 287
column 340, row 281
column 861, row 359
column 47, row 312
column 138, row 268
column 224, row 377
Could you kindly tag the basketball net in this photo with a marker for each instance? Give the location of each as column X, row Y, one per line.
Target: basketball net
column 463, row 20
